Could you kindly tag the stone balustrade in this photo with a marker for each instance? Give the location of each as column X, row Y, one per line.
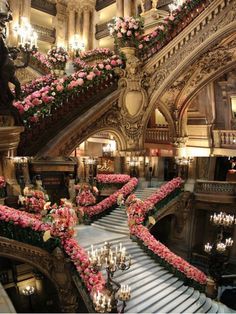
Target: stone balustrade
column 188, row 33
column 158, row 135
column 224, row 138
column 223, row 191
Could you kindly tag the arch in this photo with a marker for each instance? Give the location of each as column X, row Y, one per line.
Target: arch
column 121, row 143
column 53, row 266
column 64, row 142
column 184, row 107
column 166, row 113
column 186, row 63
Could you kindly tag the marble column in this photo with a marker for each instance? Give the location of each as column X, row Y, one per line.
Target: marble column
column 78, row 29
column 127, row 7
column 71, row 23
column 26, row 8
column 86, row 26
column 15, row 8
column 60, row 24
column 119, row 8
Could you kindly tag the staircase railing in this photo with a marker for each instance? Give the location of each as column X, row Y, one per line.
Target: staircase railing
column 138, row 212
column 61, row 113
column 24, row 227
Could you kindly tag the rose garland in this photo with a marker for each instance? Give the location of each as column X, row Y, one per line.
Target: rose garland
column 60, row 227
column 40, row 103
column 57, row 57
column 137, row 211
column 97, row 53
column 41, row 61
column 112, row 178
column 173, row 24
column 111, row 200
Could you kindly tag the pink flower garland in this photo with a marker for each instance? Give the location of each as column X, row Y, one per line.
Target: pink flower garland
column 93, row 282
column 162, row 251
column 113, row 178
column 110, row 200
column 137, row 211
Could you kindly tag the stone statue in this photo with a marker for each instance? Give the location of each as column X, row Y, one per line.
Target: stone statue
column 147, row 5
column 8, row 68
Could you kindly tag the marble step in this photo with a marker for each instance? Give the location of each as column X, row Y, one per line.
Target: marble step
column 111, row 228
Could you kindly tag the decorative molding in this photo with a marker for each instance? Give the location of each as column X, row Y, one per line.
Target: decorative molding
column 101, row 4
column 55, row 266
column 44, row 6
column 45, row 34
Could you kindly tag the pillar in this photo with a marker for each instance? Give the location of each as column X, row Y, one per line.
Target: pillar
column 78, row 29
column 71, row 23
column 119, row 8
column 86, row 26
column 15, row 8
column 26, row 8
column 127, row 8
column 60, row 24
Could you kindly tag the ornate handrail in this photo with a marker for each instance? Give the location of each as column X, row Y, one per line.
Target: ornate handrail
column 180, row 40
column 38, row 134
column 158, row 135
column 224, row 138
column 213, row 187
column 44, row 6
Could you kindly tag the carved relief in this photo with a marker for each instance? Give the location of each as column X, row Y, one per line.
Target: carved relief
column 54, row 266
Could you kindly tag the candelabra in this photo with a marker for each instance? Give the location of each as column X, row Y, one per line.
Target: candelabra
column 219, row 251
column 112, row 261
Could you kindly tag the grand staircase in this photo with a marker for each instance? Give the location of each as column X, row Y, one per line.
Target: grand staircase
column 153, row 288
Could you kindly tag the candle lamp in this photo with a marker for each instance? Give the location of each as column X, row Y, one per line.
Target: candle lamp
column 111, row 260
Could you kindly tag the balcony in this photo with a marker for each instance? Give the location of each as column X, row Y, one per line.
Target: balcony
column 101, row 4
column 44, row 6
column 45, row 34
column 102, row 30
column 225, row 138
column 158, row 136
column 215, row 191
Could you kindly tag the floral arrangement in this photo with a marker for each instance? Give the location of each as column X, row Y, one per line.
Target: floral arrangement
column 112, row 178
column 137, row 211
column 62, row 219
column 172, row 24
column 86, row 195
column 111, row 200
column 97, row 53
column 126, row 31
column 57, row 57
column 41, row 102
column 34, row 201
